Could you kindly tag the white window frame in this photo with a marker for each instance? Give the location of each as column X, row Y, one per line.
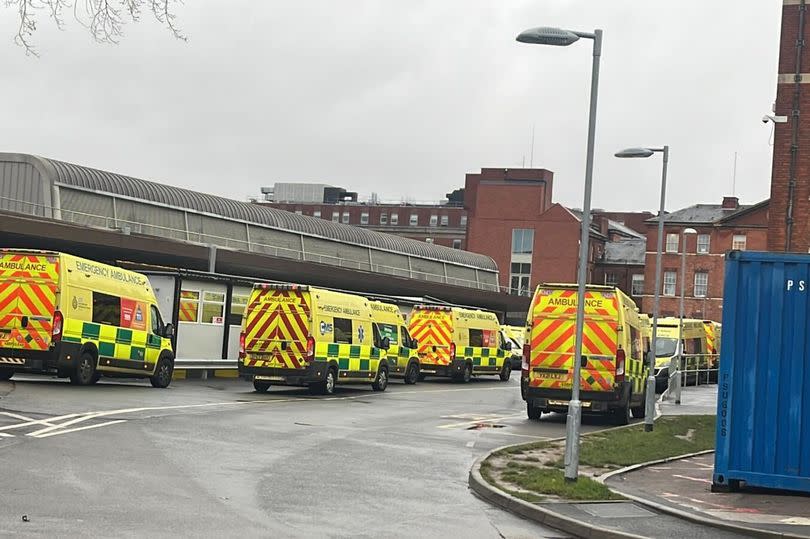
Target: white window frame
column 428, row 240
column 704, row 286
column 316, row 214
column 335, row 216
column 456, row 243
column 520, row 276
column 434, row 219
column 384, row 218
column 672, row 242
column 670, row 279
column 364, row 218
column 707, row 245
column 198, row 301
column 444, row 221
column 739, row 242
column 635, row 281
column 395, row 219
column 345, row 218
column 463, row 220
column 611, row 282
column 522, row 233
column 413, row 219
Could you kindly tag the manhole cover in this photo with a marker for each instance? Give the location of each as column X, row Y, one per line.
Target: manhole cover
column 478, row 426
column 615, row 510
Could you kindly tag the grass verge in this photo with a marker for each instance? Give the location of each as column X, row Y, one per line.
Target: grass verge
column 551, row 482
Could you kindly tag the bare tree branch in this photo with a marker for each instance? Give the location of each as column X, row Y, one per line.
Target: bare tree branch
column 104, row 19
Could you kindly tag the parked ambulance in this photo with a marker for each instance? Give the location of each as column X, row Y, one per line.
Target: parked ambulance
column 699, row 344
column 459, row 343
column 80, row 319
column 612, row 378
column 401, row 355
column 305, row 336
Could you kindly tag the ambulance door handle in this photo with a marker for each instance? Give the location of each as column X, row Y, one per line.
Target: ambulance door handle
column 583, row 362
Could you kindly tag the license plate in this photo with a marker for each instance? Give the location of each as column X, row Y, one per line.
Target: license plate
column 270, row 378
column 554, row 375
column 585, row 404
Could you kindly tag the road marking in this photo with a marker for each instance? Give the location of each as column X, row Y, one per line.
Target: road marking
column 699, row 480
column 6, row 435
column 471, row 443
column 86, row 427
column 30, row 422
column 42, row 433
column 476, row 421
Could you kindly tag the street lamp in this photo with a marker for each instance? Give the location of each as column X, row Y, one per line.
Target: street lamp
column 649, row 415
column 563, row 38
column 677, row 385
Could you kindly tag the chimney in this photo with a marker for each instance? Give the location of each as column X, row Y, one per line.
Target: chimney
column 731, row 203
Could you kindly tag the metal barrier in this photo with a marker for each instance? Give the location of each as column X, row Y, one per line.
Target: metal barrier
column 691, row 370
column 204, row 364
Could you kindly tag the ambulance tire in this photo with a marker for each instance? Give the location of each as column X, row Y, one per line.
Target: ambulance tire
column 412, row 374
column 466, row 374
column 85, row 371
column 640, row 410
column 533, row 412
column 506, row 372
column 381, row 382
column 163, row 373
column 260, row 386
column 6, row 374
column 327, row 387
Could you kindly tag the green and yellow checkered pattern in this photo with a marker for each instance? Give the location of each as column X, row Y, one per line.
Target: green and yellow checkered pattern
column 399, row 356
column 637, row 374
column 484, row 357
column 118, row 347
column 353, row 359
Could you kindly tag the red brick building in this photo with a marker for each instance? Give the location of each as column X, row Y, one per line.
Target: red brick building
column 720, row 228
column 440, row 224
column 789, row 224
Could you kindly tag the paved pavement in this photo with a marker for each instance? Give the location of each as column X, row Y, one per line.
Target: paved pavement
column 213, row 458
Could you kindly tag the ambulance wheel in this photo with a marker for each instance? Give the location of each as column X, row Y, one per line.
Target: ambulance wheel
column 639, row 411
column 163, row 373
column 412, row 374
column 327, row 387
column 6, row 374
column 466, row 376
column 621, row 415
column 506, row 372
column 532, row 412
column 381, row 382
column 260, row 387
column 85, row 370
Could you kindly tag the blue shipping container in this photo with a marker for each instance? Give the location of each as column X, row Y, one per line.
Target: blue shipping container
column 763, row 404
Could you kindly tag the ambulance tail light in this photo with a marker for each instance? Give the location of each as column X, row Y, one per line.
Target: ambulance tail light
column 452, row 351
column 620, row 365
column 524, row 364
column 310, row 353
column 242, row 345
column 58, row 323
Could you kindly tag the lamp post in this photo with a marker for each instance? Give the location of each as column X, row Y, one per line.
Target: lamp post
column 672, row 370
column 563, row 38
column 649, row 414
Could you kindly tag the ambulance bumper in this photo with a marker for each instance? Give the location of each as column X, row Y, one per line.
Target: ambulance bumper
column 60, row 359
column 556, row 400
column 315, row 372
column 455, row 368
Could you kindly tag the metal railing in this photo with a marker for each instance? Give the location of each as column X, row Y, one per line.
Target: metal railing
column 691, row 370
column 205, row 364
column 127, row 226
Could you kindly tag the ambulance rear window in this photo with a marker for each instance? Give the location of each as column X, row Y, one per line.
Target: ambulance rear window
column 343, row 330
column 106, row 309
column 476, row 337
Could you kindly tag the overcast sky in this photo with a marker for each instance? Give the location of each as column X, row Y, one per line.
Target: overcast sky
column 403, row 97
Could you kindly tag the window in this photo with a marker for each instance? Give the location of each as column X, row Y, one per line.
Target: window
column 635, row 343
column 610, row 279
column 345, row 218
column 670, row 281
column 316, row 214
column 299, row 212
column 106, row 309
column 189, row 306
column 238, row 304
column 434, row 220
column 476, row 337
column 213, row 307
column 463, row 220
column 456, row 243
column 703, row 244
column 343, row 330
column 157, row 321
column 406, row 337
column 520, row 279
column 364, row 218
column 383, row 218
column 428, row 240
column 335, row 216
column 637, row 287
column 414, row 219
column 672, row 243
column 445, row 220
column 701, row 284
column 522, row 240
column 394, row 218
column 738, row 242
column 390, row 331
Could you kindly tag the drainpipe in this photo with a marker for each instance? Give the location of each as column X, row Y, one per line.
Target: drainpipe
column 794, row 124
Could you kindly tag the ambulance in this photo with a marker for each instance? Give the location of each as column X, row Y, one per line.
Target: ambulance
column 402, row 356
column 612, row 376
column 79, row 319
column 515, row 335
column 699, row 348
column 713, row 334
column 459, row 343
column 298, row 335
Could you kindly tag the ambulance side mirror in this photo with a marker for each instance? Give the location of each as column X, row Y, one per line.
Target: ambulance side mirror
column 168, row 331
column 507, row 346
column 414, row 343
column 385, row 343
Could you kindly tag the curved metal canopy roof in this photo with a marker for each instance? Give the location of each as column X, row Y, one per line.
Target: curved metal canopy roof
column 100, row 180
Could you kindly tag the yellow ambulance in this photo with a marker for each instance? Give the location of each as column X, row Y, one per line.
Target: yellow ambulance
column 299, row 335
column 700, row 349
column 80, row 319
column 402, row 356
column 612, row 377
column 458, row 343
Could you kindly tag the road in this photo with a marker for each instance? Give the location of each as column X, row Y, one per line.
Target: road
column 213, row 458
